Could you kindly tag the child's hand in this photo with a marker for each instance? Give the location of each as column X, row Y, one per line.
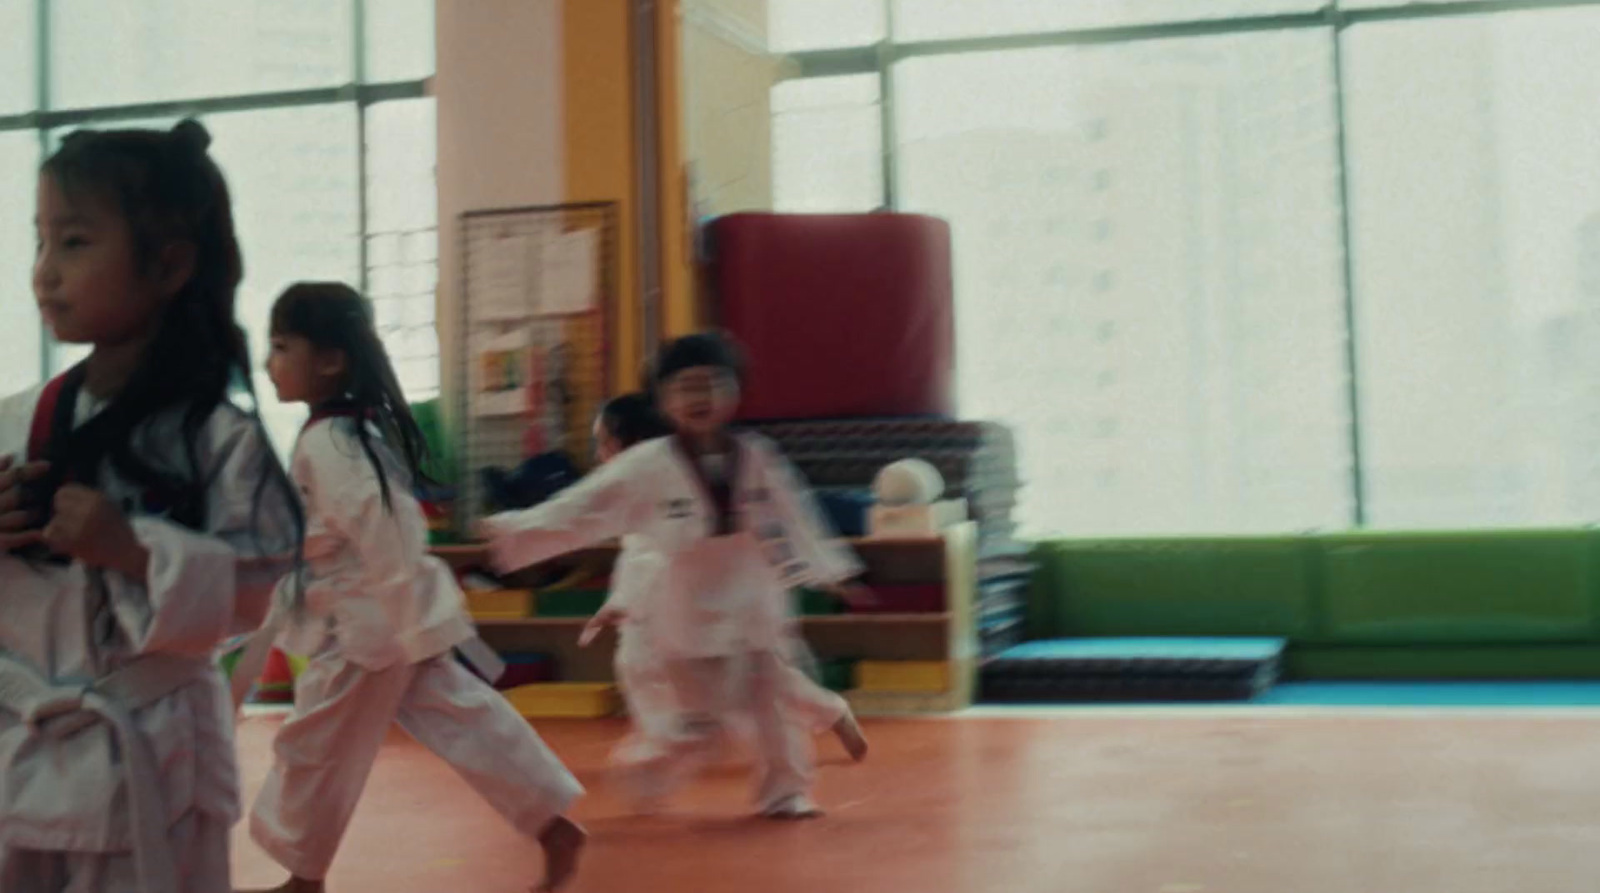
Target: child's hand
column 90, row 528
column 18, row 521
column 853, row 594
column 483, row 530
column 606, row 616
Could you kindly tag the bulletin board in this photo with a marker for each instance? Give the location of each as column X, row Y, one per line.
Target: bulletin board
column 538, row 311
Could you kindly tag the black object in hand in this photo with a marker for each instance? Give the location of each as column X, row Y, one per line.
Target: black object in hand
column 38, row 499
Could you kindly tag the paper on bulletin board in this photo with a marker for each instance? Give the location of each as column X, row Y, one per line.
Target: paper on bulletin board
column 501, row 280
column 568, row 273
column 504, row 374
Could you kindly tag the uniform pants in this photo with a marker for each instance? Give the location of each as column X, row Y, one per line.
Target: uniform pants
column 199, row 843
column 711, row 690
column 325, row 751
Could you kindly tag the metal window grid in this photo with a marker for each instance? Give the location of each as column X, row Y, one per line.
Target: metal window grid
column 586, row 340
column 45, row 118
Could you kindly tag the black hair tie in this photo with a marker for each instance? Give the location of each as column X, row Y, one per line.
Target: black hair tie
column 192, row 137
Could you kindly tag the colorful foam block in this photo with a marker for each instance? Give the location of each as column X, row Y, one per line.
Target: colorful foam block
column 838, row 674
column 500, row 604
column 927, row 598
column 565, row 700
column 903, row 676
column 569, row 602
column 814, row 602
column 276, row 685
column 526, row 669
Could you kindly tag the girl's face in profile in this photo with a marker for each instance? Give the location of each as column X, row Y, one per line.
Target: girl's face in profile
column 606, row 444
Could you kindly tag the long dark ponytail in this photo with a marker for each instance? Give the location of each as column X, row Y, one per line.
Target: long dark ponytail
column 171, row 192
column 334, row 316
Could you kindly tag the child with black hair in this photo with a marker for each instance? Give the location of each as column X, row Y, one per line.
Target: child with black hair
column 381, row 618
column 624, row 422
column 734, row 529
column 143, row 519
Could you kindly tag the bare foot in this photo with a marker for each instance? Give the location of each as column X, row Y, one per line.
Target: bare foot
column 292, row 885
column 562, row 841
column 848, row 731
column 794, row 808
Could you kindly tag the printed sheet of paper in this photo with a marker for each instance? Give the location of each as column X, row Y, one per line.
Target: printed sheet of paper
column 501, row 280
column 503, row 374
column 569, row 267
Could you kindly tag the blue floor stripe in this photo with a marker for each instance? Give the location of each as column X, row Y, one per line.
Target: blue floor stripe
column 1433, row 694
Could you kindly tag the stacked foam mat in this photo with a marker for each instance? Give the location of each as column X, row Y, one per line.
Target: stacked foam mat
column 1077, row 670
column 851, row 316
column 979, row 463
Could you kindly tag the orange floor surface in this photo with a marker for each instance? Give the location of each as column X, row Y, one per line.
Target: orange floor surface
column 1074, row 804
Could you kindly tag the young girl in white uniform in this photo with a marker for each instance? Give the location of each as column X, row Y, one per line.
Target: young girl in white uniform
column 380, row 617
column 624, row 422
column 143, row 519
column 734, row 529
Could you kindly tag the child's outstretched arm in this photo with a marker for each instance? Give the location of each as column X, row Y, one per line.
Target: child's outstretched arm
column 608, row 503
column 826, row 560
column 634, row 574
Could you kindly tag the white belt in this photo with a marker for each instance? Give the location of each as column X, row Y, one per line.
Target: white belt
column 59, row 710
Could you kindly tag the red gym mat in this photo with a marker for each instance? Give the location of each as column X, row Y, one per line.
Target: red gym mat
column 843, row 316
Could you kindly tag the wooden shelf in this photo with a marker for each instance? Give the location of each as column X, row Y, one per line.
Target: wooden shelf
column 947, row 636
column 534, row 622
column 924, row 617
column 899, row 561
column 468, row 551
column 929, row 618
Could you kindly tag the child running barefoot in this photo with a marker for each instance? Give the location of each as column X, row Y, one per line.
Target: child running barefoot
column 143, row 518
column 381, row 618
column 624, row 422
column 733, row 528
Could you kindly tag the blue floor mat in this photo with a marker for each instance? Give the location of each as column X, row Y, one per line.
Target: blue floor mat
column 1063, row 671
column 1432, row 694
column 1145, row 649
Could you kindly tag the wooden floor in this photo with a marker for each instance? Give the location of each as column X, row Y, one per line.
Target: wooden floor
column 1094, row 803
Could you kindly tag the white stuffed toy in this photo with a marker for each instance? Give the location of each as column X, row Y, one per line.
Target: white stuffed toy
column 909, row 504
column 908, row 482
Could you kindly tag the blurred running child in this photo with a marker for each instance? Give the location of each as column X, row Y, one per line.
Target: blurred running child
column 734, row 530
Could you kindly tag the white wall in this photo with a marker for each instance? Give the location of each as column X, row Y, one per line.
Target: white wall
column 501, row 140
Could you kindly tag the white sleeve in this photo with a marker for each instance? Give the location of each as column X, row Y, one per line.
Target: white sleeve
column 604, row 505
column 826, row 558
column 203, row 586
column 345, row 498
column 632, row 576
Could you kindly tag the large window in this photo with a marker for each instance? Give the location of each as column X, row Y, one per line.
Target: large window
column 1147, row 264
column 827, row 145
column 20, row 341
column 1234, row 266
column 319, row 120
column 1475, row 174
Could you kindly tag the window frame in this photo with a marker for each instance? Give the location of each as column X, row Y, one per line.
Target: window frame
column 358, row 91
column 1333, row 18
